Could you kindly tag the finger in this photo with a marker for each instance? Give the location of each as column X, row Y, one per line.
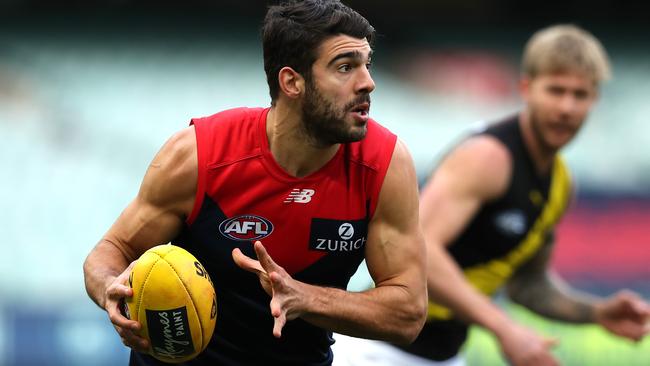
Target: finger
column 247, row 263
column 641, row 308
column 264, row 257
column 121, row 321
column 276, row 284
column 118, row 291
column 133, row 340
column 278, row 324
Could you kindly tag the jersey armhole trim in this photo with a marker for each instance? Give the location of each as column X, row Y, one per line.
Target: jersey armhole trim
column 389, row 150
column 200, row 181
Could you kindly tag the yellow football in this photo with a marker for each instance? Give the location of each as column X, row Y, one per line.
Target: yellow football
column 174, row 300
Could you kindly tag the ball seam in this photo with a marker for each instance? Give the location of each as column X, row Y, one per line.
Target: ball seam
column 142, row 287
column 191, row 298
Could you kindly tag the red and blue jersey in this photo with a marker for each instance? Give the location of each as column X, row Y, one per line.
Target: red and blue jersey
column 315, row 227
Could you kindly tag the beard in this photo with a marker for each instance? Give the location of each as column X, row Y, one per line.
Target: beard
column 324, row 123
column 537, row 128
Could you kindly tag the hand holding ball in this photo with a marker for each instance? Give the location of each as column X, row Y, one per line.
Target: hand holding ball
column 174, row 300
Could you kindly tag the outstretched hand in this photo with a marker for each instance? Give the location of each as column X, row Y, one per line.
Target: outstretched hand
column 523, row 347
column 625, row 314
column 284, row 290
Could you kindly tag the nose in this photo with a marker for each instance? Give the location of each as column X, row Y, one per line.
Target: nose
column 568, row 104
column 365, row 84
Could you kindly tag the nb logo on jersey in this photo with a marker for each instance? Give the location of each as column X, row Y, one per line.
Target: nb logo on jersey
column 300, row 195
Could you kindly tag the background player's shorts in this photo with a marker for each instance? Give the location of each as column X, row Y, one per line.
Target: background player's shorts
column 351, row 351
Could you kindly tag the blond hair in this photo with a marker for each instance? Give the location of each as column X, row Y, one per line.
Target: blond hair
column 565, row 48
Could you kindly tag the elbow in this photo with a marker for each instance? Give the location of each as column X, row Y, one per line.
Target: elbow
column 414, row 318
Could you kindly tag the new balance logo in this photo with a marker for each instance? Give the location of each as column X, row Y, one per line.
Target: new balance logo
column 300, row 195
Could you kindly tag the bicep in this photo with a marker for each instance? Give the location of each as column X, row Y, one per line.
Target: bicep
column 165, row 198
column 475, row 172
column 395, row 250
column 446, row 207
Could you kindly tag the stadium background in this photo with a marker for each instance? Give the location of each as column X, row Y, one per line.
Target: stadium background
column 88, row 93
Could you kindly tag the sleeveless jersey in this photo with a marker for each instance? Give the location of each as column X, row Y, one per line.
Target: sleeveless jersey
column 315, row 227
column 502, row 236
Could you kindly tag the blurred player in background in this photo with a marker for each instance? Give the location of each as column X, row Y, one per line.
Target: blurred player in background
column 282, row 204
column 493, row 203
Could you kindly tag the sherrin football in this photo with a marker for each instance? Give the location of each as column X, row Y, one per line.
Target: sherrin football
column 174, row 300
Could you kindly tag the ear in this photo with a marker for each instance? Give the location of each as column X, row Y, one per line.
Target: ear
column 292, row 84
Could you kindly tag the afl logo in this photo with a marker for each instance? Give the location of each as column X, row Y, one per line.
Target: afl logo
column 246, row 227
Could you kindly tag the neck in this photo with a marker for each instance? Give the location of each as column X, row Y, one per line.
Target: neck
column 290, row 148
column 541, row 155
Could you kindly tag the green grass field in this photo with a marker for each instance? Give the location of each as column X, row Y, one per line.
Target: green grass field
column 580, row 345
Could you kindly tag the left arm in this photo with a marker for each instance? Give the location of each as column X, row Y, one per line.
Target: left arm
column 395, row 310
column 541, row 290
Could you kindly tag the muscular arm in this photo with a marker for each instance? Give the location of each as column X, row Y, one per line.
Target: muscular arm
column 395, row 309
column 154, row 217
column 477, row 171
column 542, row 291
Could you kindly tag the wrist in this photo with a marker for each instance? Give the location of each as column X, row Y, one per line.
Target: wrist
column 500, row 325
column 306, row 299
column 596, row 312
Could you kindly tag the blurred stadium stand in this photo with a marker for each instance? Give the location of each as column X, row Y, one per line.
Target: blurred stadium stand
column 88, row 93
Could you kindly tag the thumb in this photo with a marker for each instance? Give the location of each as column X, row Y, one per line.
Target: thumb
column 246, row 262
column 551, row 342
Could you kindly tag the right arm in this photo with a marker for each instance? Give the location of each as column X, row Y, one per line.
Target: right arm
column 155, row 216
column 477, row 171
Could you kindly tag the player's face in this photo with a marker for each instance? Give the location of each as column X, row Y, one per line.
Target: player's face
column 557, row 106
column 336, row 102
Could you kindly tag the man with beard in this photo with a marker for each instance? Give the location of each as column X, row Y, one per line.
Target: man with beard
column 314, row 186
column 493, row 203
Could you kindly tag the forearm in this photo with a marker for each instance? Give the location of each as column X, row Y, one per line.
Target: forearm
column 447, row 286
column 390, row 313
column 105, row 262
column 547, row 295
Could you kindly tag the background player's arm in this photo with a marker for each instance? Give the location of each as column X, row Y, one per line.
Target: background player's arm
column 541, row 290
column 395, row 309
column 477, row 171
column 154, row 217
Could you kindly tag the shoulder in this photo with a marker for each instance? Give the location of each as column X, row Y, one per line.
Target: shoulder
column 179, row 149
column 482, row 151
column 229, row 114
column 180, row 146
column 481, row 163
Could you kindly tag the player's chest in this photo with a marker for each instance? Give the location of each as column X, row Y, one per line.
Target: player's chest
column 298, row 223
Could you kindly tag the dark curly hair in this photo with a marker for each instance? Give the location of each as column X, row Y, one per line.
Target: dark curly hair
column 293, row 31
